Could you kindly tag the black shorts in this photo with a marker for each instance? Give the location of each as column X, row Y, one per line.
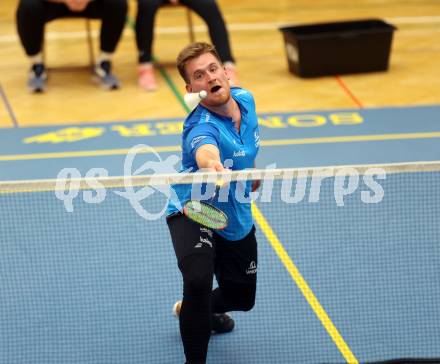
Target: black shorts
column 233, row 260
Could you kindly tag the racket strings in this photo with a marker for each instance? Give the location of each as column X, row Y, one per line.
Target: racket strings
column 206, row 214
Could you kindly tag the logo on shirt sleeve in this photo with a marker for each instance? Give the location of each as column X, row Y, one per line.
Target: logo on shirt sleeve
column 196, row 140
column 257, row 139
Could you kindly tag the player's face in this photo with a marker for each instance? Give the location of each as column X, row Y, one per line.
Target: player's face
column 206, row 73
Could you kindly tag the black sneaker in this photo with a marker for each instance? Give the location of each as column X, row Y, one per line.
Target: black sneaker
column 103, row 75
column 222, row 323
column 37, row 78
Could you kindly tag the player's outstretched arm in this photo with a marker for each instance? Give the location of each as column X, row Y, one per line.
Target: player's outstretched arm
column 208, row 157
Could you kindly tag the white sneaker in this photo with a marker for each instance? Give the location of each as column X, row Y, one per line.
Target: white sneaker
column 176, row 309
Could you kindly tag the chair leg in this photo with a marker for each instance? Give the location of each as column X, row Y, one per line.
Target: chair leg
column 192, row 37
column 43, row 51
column 90, row 48
column 90, row 44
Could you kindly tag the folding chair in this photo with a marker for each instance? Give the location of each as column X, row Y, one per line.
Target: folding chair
column 189, row 20
column 90, row 49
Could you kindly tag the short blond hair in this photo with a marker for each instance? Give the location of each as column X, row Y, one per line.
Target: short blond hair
column 192, row 51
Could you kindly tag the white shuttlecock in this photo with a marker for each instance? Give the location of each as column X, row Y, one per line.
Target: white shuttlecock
column 192, row 99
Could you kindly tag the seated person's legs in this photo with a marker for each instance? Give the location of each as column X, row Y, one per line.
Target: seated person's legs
column 145, row 18
column 32, row 15
column 113, row 14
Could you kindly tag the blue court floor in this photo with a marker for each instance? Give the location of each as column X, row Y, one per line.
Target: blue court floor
column 351, row 284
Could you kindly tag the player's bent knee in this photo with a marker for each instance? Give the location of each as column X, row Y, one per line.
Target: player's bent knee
column 248, row 302
column 240, row 295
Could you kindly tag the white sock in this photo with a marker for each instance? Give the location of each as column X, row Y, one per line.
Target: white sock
column 38, row 58
column 104, row 56
column 146, row 65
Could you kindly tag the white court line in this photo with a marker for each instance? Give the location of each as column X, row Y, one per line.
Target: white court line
column 414, row 19
column 232, row 27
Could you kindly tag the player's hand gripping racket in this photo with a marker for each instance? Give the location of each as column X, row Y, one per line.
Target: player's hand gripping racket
column 205, row 213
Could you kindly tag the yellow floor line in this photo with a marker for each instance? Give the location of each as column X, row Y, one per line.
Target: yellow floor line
column 265, row 143
column 303, row 286
column 352, row 138
column 85, row 153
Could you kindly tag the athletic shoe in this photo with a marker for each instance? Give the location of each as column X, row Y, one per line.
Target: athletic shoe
column 37, row 78
column 146, row 77
column 103, row 75
column 221, row 322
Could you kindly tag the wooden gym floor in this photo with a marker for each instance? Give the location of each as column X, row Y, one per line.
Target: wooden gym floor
column 413, row 77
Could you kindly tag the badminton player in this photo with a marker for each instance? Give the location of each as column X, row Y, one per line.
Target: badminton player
column 221, row 130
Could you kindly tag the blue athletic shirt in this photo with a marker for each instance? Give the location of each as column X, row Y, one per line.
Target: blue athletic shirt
column 203, row 126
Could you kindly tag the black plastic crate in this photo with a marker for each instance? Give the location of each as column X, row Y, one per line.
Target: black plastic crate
column 338, row 48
